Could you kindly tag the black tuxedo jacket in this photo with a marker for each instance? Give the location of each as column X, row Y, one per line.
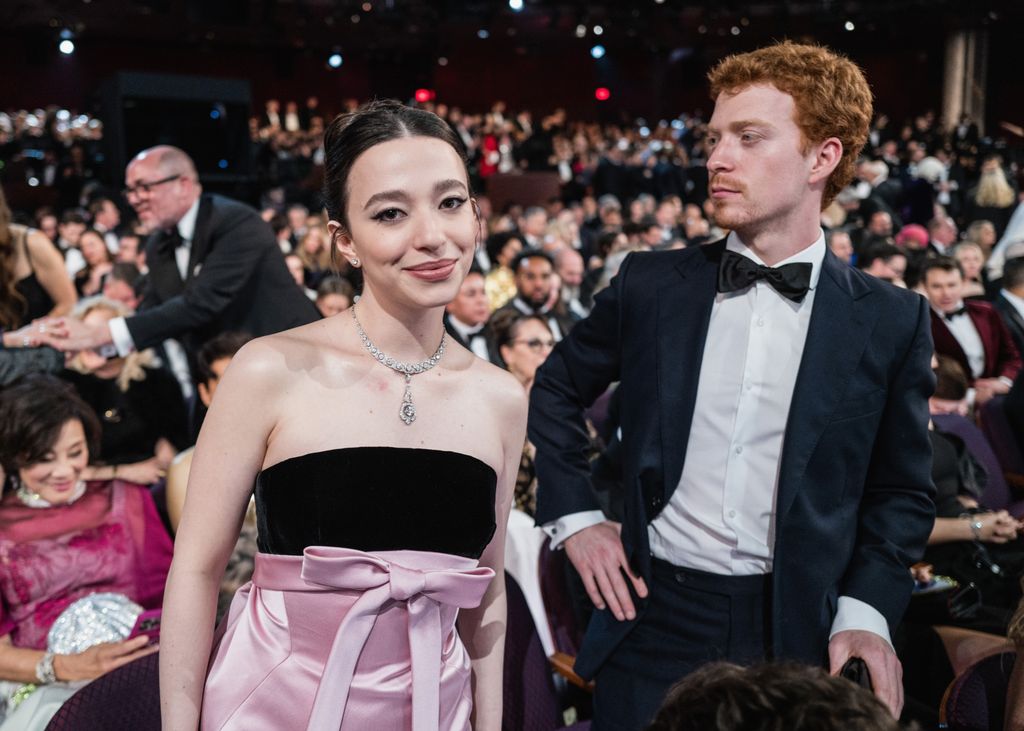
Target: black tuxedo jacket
column 237, row 280
column 854, row 506
column 1014, row 321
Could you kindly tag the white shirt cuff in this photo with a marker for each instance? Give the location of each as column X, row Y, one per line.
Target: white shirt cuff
column 855, row 614
column 121, row 337
column 567, row 525
column 1006, row 381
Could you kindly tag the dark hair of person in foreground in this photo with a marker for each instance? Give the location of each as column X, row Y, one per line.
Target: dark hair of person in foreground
column 769, row 697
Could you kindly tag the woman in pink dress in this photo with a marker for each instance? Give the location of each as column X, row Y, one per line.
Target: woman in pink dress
column 62, row 540
column 382, row 456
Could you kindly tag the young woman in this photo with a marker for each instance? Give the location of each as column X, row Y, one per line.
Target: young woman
column 382, row 485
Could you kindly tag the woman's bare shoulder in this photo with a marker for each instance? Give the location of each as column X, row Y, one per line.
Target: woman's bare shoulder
column 502, row 389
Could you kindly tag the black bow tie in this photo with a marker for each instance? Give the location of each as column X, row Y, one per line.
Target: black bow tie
column 736, row 272
column 954, row 313
column 171, row 240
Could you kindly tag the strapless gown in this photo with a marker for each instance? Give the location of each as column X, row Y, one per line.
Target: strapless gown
column 366, row 555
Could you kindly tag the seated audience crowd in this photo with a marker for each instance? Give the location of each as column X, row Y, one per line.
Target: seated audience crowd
column 95, row 458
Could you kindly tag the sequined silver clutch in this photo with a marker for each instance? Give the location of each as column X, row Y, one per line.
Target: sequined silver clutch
column 91, row 620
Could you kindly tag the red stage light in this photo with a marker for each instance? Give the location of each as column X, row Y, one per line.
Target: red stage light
column 424, row 95
column 602, row 94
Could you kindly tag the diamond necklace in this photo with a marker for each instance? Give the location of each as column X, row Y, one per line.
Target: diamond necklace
column 407, row 412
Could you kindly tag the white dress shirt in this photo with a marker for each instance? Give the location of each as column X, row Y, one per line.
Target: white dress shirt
column 520, row 304
column 967, row 336
column 467, row 332
column 721, row 516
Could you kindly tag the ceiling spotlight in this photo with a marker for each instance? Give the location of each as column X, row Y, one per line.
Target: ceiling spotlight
column 66, row 34
column 443, row 61
column 334, row 60
column 602, row 94
column 483, row 34
column 581, row 30
column 702, row 29
column 598, row 30
column 597, row 51
column 515, row 5
column 849, row 25
column 735, row 30
column 659, row 2
column 66, row 47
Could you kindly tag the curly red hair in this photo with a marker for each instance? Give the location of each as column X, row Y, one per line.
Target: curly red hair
column 832, row 96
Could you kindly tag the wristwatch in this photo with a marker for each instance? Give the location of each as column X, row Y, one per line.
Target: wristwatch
column 976, row 526
column 45, row 673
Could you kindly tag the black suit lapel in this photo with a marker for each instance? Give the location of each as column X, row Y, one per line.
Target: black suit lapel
column 841, row 323
column 1014, row 321
column 684, row 311
column 200, row 237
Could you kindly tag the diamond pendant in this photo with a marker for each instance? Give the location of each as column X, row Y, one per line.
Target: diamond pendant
column 407, row 412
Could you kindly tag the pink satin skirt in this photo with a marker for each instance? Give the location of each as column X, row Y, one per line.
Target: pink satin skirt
column 342, row 640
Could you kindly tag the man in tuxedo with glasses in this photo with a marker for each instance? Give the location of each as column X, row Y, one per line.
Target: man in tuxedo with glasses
column 214, row 266
column 776, row 461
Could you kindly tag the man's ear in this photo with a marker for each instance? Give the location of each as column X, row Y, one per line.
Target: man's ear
column 827, row 157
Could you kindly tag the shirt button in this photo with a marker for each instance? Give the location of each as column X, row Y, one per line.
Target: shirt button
column 748, row 385
column 760, row 322
column 739, row 449
column 732, row 513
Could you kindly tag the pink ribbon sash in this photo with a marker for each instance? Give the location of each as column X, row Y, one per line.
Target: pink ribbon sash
column 402, row 576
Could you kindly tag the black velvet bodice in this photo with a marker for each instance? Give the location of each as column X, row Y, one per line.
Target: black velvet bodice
column 377, row 499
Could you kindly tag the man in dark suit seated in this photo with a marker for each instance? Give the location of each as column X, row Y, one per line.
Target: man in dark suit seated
column 213, row 266
column 1010, row 300
column 971, row 332
column 776, row 461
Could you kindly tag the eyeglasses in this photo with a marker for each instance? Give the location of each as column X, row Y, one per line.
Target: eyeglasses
column 536, row 344
column 145, row 188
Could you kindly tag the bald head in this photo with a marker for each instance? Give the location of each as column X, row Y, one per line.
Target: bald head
column 168, row 160
column 569, row 266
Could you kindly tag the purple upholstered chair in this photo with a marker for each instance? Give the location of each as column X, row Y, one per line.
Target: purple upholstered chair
column 554, row 591
column 997, row 495
column 992, row 417
column 125, row 699
column 976, row 699
column 531, row 700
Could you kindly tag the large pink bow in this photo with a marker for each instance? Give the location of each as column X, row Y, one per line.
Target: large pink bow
column 381, row 581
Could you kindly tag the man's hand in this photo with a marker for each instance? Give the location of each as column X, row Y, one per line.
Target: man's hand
column 883, row 665
column 598, row 556
column 987, row 388
column 70, row 334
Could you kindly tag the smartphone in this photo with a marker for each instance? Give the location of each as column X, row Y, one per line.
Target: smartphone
column 147, row 623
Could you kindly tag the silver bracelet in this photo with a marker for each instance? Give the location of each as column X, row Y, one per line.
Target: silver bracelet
column 976, row 526
column 45, row 673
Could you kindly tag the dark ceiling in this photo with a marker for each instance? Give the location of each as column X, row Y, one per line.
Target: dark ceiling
column 374, row 26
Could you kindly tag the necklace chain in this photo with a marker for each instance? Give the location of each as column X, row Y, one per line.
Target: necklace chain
column 407, row 412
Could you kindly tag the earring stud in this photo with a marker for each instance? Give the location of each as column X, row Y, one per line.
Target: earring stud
column 355, row 263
